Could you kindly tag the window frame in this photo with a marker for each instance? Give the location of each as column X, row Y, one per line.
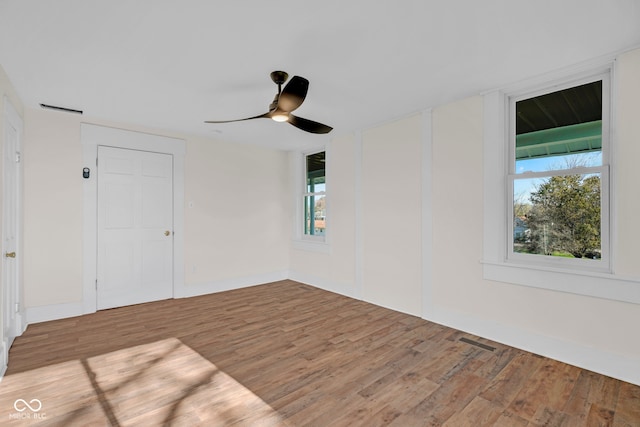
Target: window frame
column 306, row 193
column 301, row 240
column 495, row 267
column 603, row 264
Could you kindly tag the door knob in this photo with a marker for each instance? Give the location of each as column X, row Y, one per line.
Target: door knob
column 10, row 254
column 166, row 233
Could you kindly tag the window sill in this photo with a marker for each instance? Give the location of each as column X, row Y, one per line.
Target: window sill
column 312, row 246
column 580, row 282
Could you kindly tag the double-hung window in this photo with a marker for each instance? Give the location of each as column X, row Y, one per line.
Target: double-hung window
column 548, row 199
column 558, row 177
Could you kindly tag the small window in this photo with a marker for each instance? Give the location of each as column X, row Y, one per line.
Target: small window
column 558, row 175
column 314, row 197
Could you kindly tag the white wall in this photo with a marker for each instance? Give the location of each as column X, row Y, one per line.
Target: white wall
column 391, row 215
column 374, row 219
column 583, row 330
column 237, row 219
column 334, row 269
column 627, row 174
column 457, row 204
column 236, row 232
column 52, row 208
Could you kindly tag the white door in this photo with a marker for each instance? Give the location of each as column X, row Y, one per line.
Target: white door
column 11, row 319
column 135, row 227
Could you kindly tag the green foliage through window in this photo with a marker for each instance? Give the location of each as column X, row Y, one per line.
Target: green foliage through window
column 562, row 218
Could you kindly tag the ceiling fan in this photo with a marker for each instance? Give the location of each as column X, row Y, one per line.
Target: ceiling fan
column 286, row 100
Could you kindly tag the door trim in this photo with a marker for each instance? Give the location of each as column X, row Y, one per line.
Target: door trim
column 12, row 118
column 91, row 137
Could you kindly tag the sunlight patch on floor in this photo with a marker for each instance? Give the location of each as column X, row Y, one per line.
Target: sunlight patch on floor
column 151, row 384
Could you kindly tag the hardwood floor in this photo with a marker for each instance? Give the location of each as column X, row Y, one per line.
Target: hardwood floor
column 292, row 355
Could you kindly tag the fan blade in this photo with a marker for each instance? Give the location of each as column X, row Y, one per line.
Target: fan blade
column 293, row 94
column 309, row 125
column 265, row 115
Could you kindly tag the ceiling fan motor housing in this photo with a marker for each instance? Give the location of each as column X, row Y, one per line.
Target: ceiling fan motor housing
column 279, row 77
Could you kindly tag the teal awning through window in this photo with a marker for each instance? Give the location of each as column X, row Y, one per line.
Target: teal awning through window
column 559, row 141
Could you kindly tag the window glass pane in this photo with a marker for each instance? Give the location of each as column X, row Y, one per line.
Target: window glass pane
column 545, row 164
column 315, row 172
column 558, row 216
column 559, row 130
column 314, row 214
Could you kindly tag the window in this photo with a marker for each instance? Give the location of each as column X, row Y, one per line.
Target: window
column 558, row 175
column 504, row 227
column 314, row 196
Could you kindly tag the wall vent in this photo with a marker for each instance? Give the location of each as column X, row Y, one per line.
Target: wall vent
column 63, row 109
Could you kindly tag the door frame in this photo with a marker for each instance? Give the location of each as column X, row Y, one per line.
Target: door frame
column 92, row 136
column 12, row 118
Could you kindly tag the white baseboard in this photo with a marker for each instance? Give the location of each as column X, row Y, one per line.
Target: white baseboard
column 21, row 320
column 53, row 312
column 345, row 289
column 194, row 290
column 593, row 359
column 61, row 311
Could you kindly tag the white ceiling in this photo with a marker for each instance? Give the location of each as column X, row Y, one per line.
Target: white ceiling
column 171, row 65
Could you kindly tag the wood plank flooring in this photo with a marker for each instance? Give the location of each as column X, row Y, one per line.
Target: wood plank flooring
column 287, row 354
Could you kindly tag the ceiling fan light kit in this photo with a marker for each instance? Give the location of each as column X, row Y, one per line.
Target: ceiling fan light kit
column 287, row 100
column 280, row 117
